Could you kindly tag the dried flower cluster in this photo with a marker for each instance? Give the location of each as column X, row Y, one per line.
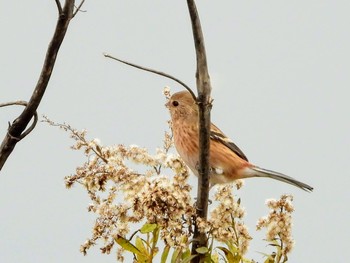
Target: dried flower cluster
column 128, row 187
column 122, row 196
column 279, row 224
column 132, row 196
column 225, row 222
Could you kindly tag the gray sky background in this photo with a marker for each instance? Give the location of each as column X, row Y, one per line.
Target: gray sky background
column 280, row 75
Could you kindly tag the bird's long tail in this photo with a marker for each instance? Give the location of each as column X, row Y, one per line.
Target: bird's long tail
column 260, row 172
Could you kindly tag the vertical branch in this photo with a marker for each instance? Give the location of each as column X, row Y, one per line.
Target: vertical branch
column 203, row 100
column 18, row 126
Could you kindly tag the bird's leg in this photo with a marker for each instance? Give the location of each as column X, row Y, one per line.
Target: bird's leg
column 195, row 205
column 211, row 169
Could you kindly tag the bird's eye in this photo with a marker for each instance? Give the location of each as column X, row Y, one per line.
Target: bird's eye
column 175, row 103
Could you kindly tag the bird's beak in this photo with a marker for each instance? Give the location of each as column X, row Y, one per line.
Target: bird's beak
column 167, row 104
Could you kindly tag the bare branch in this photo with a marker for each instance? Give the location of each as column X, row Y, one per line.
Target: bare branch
column 204, row 105
column 78, row 8
column 59, row 7
column 26, row 132
column 19, row 125
column 153, row 71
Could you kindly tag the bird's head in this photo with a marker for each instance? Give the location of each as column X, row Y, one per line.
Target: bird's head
column 182, row 106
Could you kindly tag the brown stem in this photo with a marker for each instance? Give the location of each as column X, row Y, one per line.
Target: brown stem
column 203, row 100
column 18, row 126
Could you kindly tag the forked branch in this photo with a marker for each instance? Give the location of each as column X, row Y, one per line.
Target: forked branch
column 16, row 129
column 27, row 131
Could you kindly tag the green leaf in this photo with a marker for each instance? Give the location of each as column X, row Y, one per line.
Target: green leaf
column 207, row 258
column 215, row 258
column 175, row 255
column 186, row 254
column 202, row 250
column 124, row 243
column 146, row 228
column 232, row 247
column 141, row 247
column 156, row 232
column 231, row 258
column 269, row 260
column 142, row 259
column 165, row 254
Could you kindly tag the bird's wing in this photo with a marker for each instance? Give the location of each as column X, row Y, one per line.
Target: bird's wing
column 217, row 135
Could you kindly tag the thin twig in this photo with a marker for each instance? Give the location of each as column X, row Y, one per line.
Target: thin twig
column 18, row 102
column 153, row 71
column 59, row 7
column 78, row 8
column 76, row 135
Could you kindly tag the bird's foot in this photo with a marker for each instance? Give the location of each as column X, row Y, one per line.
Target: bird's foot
column 195, row 203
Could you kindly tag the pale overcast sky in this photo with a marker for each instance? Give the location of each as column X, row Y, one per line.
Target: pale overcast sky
column 280, row 75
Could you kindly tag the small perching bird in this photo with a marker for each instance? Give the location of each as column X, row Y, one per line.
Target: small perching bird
column 227, row 161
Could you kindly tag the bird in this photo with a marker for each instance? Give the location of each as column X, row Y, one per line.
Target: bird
column 227, row 162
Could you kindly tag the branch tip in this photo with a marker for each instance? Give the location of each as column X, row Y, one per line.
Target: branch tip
column 78, row 9
column 153, row 71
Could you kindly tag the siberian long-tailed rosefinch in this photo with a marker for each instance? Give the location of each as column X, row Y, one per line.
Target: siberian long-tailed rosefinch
column 227, row 161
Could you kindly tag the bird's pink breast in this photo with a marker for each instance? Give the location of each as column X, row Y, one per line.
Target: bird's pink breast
column 222, row 159
column 186, row 144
